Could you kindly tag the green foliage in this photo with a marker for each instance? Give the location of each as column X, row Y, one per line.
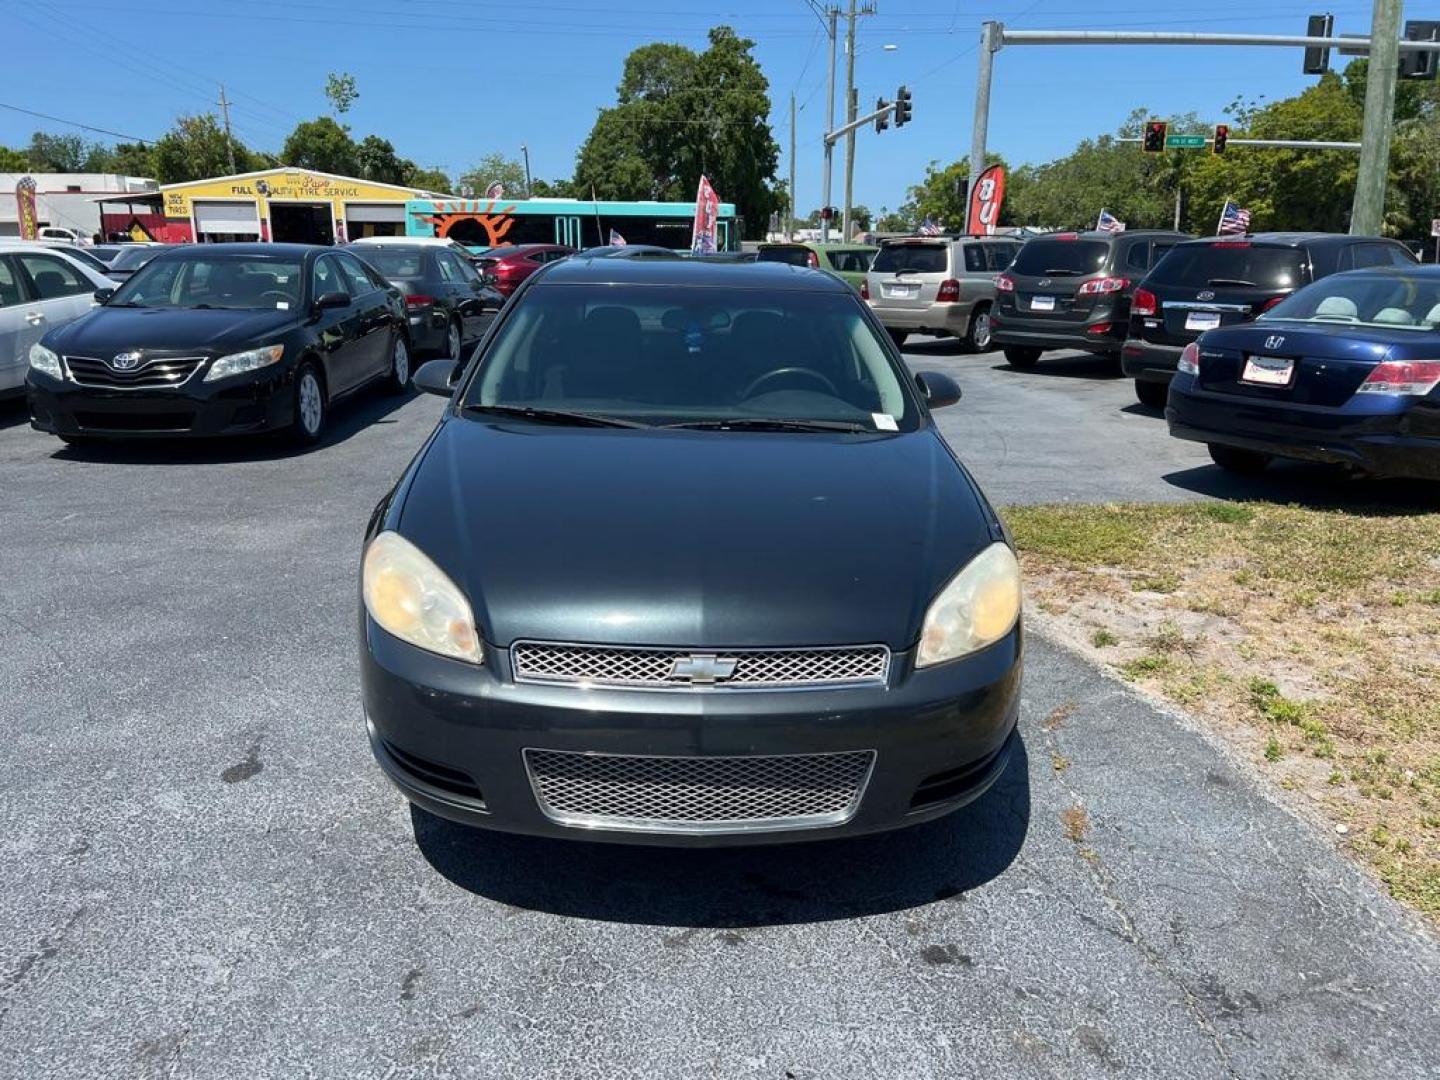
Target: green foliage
column 195, row 148
column 377, row 160
column 13, row 160
column 492, row 167
column 553, row 189
column 340, row 89
column 679, row 114
column 322, row 144
column 427, row 179
column 940, row 196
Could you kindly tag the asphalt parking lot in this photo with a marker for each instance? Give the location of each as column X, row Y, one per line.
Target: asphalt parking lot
column 205, row 875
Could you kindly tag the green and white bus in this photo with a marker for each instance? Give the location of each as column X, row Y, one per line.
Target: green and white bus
column 577, row 223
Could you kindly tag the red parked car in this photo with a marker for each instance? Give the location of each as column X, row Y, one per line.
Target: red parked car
column 509, row 266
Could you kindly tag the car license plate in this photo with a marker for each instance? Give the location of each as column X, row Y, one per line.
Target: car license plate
column 1202, row 320
column 1042, row 303
column 1268, row 370
column 899, row 292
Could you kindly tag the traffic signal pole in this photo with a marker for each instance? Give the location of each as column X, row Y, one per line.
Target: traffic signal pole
column 832, row 14
column 994, row 36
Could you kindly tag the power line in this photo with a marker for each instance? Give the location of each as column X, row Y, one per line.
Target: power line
column 77, row 124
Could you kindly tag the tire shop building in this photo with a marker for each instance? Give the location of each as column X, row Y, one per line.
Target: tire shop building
column 286, row 205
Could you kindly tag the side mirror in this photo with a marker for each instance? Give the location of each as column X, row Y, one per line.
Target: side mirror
column 102, row 296
column 939, row 390
column 332, row 300
column 477, row 285
column 436, row 377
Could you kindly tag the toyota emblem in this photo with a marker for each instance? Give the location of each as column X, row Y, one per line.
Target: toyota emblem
column 125, row 361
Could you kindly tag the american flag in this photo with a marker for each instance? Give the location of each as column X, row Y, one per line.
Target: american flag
column 1109, row 223
column 616, row 240
column 929, row 227
column 1233, row 219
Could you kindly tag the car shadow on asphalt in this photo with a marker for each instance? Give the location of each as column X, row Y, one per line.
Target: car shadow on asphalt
column 1069, row 366
column 350, row 416
column 935, row 346
column 13, row 412
column 1311, row 485
column 720, row 888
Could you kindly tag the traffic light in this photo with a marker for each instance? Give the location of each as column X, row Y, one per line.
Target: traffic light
column 903, row 107
column 827, row 213
column 1153, row 141
column 1317, row 60
column 883, row 120
column 1419, row 65
column 1222, row 136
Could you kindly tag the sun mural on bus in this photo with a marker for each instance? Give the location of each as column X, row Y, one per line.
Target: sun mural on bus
column 448, row 214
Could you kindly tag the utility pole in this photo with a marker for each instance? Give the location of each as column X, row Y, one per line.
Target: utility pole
column 833, row 13
column 229, row 140
column 1368, row 211
column 851, row 102
column 525, row 149
column 790, row 221
column 990, row 40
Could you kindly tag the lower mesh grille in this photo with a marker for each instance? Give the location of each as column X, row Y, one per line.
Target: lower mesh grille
column 698, row 794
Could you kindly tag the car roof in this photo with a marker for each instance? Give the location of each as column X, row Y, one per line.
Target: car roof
column 428, row 241
column 293, row 251
column 1294, row 239
column 696, row 273
column 816, row 245
column 1096, row 234
column 22, row 247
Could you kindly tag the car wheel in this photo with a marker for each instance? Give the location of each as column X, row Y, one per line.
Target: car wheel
column 898, row 337
column 1022, row 356
column 453, row 343
column 310, row 408
column 1233, row 459
column 1153, row 394
column 977, row 338
column 398, row 379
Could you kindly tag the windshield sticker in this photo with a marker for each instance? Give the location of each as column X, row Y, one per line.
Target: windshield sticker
column 283, row 305
column 884, row 422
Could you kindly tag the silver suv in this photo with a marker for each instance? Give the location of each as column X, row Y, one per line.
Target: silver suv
column 939, row 286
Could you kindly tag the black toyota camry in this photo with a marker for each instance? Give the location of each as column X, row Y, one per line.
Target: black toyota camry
column 221, row 339
column 686, row 561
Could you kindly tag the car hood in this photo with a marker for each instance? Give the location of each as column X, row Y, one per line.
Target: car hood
column 687, row 538
column 106, row 330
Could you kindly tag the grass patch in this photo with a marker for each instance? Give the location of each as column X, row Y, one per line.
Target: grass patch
column 1309, row 636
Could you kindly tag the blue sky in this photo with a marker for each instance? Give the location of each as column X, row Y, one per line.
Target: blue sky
column 446, row 88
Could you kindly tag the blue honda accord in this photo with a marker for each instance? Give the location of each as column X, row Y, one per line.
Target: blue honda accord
column 1345, row 371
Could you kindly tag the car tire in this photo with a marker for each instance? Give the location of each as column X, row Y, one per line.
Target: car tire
column 1153, row 394
column 1235, row 460
column 311, row 409
column 1022, row 356
column 898, row 337
column 397, row 378
column 977, row 335
column 454, row 346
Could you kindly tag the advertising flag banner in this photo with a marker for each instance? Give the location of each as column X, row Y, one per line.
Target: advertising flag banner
column 25, row 200
column 985, row 202
column 707, row 211
column 495, row 191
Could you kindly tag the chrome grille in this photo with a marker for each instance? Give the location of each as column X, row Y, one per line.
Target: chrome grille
column 698, row 794
column 753, row 669
column 155, row 374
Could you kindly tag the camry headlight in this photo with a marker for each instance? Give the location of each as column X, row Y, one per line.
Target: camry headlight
column 411, row 597
column 241, row 362
column 43, row 359
column 977, row 608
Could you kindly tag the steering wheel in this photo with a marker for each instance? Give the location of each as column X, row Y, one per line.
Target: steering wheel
column 780, row 373
column 279, row 295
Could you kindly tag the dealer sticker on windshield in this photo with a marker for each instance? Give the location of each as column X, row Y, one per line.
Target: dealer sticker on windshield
column 884, row 421
column 1268, row 370
column 1202, row 320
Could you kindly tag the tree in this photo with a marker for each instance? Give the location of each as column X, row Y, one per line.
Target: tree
column 680, row 114
column 941, row 195
column 492, row 167
column 378, row 161
column 427, row 179
column 196, row 148
column 323, row 145
column 896, row 222
column 340, row 89
column 553, row 189
column 13, row 160
column 132, row 159
column 59, row 153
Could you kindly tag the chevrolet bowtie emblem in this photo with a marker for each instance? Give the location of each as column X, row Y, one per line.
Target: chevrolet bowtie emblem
column 702, row 669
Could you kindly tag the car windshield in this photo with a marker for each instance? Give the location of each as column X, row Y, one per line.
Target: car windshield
column 916, row 258
column 240, row 282
column 1393, row 301
column 792, row 256
column 132, row 257
column 1075, row 258
column 675, row 355
column 1222, row 263
column 396, row 262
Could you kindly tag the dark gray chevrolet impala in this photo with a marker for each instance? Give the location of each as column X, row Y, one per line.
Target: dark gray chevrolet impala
column 686, row 562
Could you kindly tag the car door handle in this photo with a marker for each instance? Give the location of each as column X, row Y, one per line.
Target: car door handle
column 35, row 318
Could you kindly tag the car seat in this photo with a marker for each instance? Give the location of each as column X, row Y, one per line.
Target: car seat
column 1394, row 316
column 50, row 284
column 1337, row 307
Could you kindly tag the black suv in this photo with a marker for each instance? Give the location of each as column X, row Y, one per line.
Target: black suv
column 1224, row 280
column 1072, row 291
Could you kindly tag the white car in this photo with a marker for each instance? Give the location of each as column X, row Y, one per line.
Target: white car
column 67, row 236
column 40, row 288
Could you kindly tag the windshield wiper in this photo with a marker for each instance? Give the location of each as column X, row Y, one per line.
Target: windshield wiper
column 124, row 303
column 1240, row 282
column 556, row 416
column 764, row 423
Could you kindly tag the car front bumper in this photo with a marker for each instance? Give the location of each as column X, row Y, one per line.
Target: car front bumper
column 1383, row 440
column 245, row 404
column 936, row 318
column 453, row 736
column 1145, row 361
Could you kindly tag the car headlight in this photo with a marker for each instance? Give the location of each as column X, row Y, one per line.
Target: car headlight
column 43, row 359
column 976, row 608
column 241, row 362
column 410, row 597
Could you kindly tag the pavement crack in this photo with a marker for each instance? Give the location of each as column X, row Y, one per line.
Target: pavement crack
column 46, row 950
